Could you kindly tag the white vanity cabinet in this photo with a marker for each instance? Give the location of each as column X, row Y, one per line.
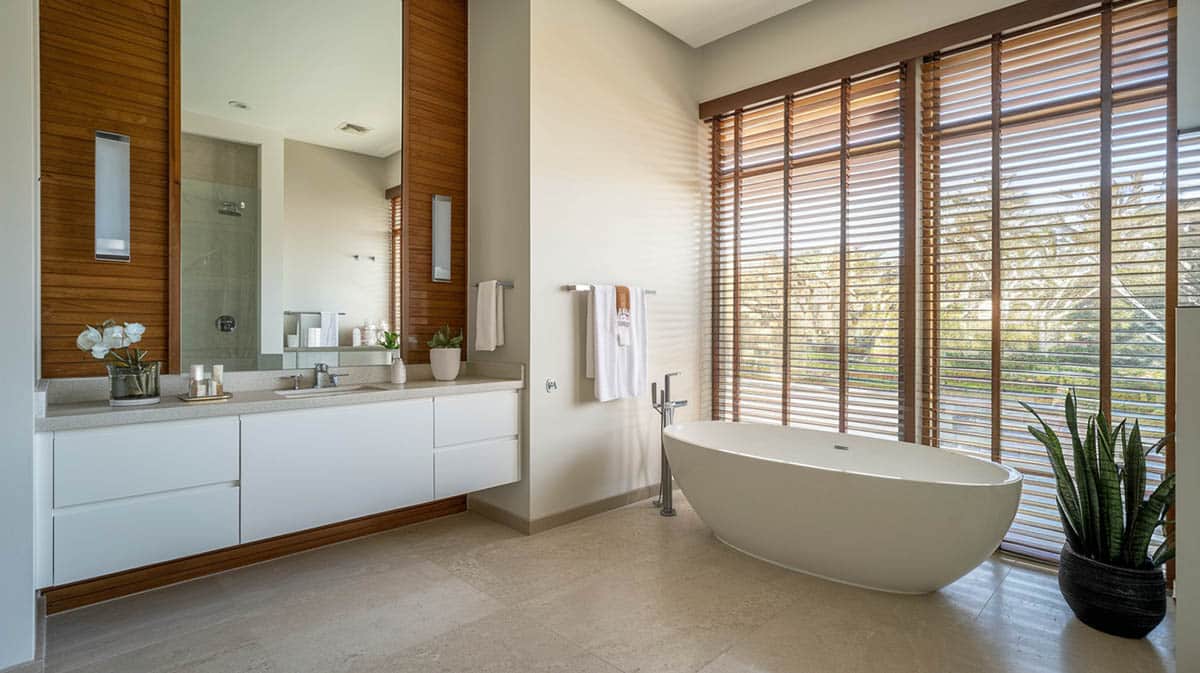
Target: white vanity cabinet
column 118, row 497
column 307, row 468
column 129, row 496
column 476, row 439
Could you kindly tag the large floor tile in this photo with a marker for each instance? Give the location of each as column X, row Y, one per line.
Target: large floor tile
column 622, row 592
column 505, row 642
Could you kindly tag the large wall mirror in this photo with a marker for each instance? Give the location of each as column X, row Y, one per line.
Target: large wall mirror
column 290, row 167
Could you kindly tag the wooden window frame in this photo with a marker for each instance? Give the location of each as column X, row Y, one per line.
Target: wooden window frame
column 906, row 284
column 918, row 417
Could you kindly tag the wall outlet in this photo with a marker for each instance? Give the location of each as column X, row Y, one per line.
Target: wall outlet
column 551, row 385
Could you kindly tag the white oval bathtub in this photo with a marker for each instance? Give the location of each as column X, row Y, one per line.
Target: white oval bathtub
column 879, row 514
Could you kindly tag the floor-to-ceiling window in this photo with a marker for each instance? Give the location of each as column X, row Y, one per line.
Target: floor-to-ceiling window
column 1047, row 155
column 807, row 211
column 1058, row 231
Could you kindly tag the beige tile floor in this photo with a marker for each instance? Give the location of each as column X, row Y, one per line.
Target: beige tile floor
column 623, row 591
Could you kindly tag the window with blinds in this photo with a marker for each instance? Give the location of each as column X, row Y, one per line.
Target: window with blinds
column 397, row 256
column 807, row 216
column 1048, row 262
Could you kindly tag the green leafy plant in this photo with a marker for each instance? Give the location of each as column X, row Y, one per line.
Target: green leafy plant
column 444, row 339
column 390, row 340
column 1098, row 522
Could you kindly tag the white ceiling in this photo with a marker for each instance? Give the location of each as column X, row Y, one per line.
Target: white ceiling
column 698, row 22
column 303, row 67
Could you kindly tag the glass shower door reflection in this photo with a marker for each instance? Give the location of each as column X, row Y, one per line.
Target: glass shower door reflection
column 219, row 256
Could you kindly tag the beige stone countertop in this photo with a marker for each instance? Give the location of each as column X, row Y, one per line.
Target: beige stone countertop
column 96, row 414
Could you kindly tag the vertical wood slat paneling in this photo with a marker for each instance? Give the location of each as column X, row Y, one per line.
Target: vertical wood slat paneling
column 86, row 84
column 435, row 162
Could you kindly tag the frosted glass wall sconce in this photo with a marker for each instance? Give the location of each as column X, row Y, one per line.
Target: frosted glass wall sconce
column 112, row 196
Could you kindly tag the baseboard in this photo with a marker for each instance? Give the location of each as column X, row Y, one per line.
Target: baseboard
column 507, row 518
column 98, row 589
column 499, row 515
column 591, row 509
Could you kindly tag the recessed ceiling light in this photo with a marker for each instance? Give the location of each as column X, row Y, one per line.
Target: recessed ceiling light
column 354, row 129
column 239, row 105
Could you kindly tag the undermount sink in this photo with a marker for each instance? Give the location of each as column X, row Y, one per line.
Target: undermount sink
column 326, row 392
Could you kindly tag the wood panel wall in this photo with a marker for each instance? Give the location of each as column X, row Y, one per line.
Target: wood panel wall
column 105, row 65
column 435, row 162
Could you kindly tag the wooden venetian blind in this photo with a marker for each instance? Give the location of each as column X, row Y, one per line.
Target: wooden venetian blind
column 807, row 233
column 1048, row 241
column 397, row 280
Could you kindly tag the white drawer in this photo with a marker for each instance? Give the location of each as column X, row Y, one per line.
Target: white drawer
column 473, row 467
column 459, row 419
column 303, row 469
column 106, row 463
column 94, row 540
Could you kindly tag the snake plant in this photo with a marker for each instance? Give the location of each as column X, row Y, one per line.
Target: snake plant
column 1105, row 514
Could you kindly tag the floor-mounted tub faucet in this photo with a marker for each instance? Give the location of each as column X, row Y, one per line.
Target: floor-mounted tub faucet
column 665, row 406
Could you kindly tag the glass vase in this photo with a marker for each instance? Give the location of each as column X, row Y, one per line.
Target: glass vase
column 133, row 386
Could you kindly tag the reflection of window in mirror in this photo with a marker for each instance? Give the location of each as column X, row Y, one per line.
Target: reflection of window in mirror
column 394, row 195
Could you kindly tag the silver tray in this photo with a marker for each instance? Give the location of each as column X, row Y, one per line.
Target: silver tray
column 207, row 398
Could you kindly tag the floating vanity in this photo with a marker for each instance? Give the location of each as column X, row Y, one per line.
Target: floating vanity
column 124, row 488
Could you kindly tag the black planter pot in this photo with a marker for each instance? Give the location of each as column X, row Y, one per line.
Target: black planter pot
column 1121, row 601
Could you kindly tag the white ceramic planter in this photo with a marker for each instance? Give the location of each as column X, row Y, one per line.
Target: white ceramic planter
column 444, row 362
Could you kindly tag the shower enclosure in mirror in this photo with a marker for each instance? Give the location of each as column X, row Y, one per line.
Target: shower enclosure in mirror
column 290, row 147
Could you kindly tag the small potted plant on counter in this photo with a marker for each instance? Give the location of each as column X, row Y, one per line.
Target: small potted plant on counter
column 445, row 354
column 132, row 381
column 1107, row 573
column 391, row 342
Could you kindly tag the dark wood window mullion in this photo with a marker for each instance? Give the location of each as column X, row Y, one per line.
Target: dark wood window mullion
column 843, row 392
column 1106, row 289
column 996, row 249
column 715, row 223
column 909, row 102
column 787, row 260
column 736, row 361
column 931, row 205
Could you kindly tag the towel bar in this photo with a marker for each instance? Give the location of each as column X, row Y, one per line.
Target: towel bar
column 587, row 288
column 507, row 284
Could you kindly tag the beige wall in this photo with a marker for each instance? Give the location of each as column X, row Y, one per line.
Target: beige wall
column 498, row 199
column 818, row 33
column 1187, row 467
column 587, row 174
column 18, row 348
column 615, row 198
column 334, row 208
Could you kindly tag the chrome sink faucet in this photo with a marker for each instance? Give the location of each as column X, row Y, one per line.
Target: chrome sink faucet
column 665, row 406
column 320, row 368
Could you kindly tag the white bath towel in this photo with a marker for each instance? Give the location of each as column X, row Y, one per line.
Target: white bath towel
column 617, row 362
column 329, row 328
column 489, row 316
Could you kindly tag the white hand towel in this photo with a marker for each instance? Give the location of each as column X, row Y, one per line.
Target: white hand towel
column 329, row 328
column 619, row 369
column 489, row 316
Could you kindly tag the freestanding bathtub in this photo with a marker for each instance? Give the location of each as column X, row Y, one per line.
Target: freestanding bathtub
column 874, row 513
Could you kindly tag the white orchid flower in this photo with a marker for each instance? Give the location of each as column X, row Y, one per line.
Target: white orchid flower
column 134, row 331
column 88, row 339
column 114, row 337
column 100, row 351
